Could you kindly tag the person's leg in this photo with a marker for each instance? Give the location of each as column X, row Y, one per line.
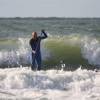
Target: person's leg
column 38, row 59
column 33, row 67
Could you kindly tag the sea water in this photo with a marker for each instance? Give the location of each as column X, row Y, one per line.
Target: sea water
column 70, row 55
column 75, row 41
column 24, row 84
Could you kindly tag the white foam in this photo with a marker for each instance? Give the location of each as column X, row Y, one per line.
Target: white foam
column 23, row 83
column 91, row 50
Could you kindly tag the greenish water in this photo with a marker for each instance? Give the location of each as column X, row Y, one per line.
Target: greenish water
column 68, row 53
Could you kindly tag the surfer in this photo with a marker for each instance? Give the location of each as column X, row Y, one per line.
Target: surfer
column 36, row 52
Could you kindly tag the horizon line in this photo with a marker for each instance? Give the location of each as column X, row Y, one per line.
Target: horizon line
column 48, row 17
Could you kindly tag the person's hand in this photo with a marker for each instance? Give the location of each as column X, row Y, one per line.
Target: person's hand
column 33, row 52
column 43, row 30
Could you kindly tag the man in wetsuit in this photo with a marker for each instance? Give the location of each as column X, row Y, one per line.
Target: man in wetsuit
column 36, row 52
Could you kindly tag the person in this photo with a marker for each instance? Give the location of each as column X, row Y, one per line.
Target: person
column 36, row 52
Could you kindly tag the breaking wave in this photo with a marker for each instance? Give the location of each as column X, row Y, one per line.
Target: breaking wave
column 70, row 49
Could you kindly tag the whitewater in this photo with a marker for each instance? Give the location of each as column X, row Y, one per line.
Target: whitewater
column 24, row 84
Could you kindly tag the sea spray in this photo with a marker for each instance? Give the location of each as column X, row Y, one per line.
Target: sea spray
column 21, row 56
column 24, row 83
column 91, row 50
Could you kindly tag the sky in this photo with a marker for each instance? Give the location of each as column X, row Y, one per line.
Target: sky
column 49, row 8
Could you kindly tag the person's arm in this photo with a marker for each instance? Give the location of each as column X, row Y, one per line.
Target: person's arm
column 30, row 43
column 44, row 34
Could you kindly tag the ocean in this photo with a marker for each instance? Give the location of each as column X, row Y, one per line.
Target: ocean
column 71, row 41
column 69, row 53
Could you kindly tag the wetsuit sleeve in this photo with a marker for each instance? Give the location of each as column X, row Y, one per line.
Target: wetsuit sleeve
column 30, row 43
column 44, row 35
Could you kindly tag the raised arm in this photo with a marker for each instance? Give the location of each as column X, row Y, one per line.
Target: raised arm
column 44, row 34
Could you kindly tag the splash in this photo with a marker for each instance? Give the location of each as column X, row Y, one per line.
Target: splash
column 71, row 49
column 20, row 56
column 23, row 83
column 91, row 50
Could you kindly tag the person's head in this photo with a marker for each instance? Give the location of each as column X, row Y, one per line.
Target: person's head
column 34, row 35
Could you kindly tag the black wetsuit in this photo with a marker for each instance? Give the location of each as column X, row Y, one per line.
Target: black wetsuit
column 35, row 45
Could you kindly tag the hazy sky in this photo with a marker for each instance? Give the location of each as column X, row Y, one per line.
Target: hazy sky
column 49, row 8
